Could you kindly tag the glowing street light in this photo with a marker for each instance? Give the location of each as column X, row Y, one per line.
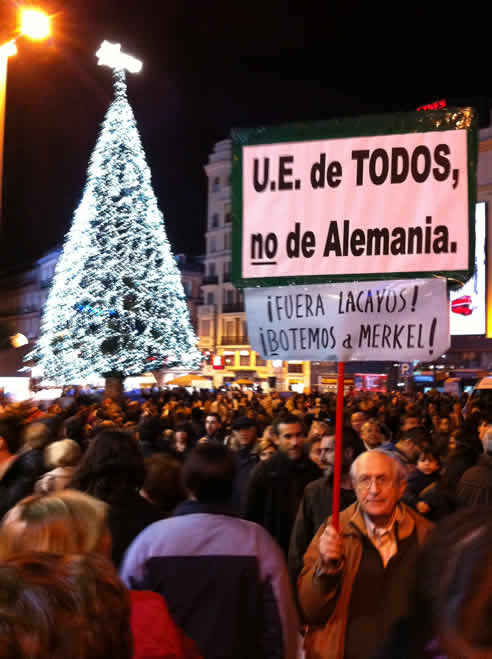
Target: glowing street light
column 35, row 24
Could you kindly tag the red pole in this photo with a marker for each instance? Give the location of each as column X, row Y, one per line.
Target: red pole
column 338, row 448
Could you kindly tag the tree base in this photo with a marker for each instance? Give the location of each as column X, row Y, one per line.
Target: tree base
column 113, row 388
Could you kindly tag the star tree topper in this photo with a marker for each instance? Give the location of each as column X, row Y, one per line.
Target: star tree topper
column 109, row 54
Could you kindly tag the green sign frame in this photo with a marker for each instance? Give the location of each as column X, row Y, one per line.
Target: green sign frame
column 364, row 126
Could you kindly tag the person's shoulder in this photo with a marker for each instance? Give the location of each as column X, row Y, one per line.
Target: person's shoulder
column 319, row 485
column 423, row 526
column 480, row 472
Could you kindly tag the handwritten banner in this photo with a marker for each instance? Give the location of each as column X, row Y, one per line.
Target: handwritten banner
column 361, row 321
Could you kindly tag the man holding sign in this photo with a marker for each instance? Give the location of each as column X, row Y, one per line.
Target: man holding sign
column 373, row 553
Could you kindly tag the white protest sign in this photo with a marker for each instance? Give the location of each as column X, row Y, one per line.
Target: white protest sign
column 331, row 206
column 360, row 321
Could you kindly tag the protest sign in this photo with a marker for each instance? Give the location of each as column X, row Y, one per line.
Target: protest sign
column 359, row 321
column 372, row 198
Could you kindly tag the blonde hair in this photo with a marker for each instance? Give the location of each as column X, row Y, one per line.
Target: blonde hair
column 62, row 523
column 36, row 435
column 263, row 444
column 65, row 453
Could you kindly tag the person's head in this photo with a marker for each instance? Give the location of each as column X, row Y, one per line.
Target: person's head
column 357, row 420
column 63, row 606
column 432, row 409
column 112, row 469
column 149, row 430
column 244, row 432
column 410, row 420
column 182, row 438
column 351, row 448
column 428, row 461
column 411, row 443
column 66, row 522
column 371, row 434
column 212, row 423
column 36, row 435
column 270, row 435
column 313, row 450
column 266, row 449
column 290, row 435
column 9, row 435
column 453, row 598
column 73, row 428
column 484, row 421
column 444, row 425
column 379, row 481
column 317, row 428
column 209, row 472
column 163, row 485
column 64, row 453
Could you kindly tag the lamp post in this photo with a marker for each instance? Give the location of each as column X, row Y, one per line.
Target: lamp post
column 35, row 25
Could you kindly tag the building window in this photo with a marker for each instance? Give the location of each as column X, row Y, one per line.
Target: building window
column 260, row 361
column 210, row 298
column 215, row 220
column 212, row 247
column 216, row 184
column 227, row 214
column 229, row 360
column 204, row 328
column 227, row 240
column 211, row 269
column 295, row 368
column 229, row 295
column 228, row 329
column 244, row 360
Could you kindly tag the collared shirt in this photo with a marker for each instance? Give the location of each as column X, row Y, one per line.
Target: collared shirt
column 384, row 539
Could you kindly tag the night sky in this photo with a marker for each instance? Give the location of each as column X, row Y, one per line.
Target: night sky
column 208, row 67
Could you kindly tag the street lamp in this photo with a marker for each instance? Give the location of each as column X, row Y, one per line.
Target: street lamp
column 36, row 25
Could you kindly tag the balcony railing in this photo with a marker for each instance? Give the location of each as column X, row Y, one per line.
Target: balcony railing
column 20, row 311
column 226, row 277
column 210, row 279
column 234, row 341
column 233, row 308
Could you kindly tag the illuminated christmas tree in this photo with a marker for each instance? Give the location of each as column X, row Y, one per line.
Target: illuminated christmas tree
column 117, row 305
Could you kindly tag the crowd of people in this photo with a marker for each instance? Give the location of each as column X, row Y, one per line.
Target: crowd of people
column 198, row 524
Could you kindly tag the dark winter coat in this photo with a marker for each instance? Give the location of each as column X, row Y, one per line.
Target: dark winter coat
column 20, row 477
column 126, row 520
column 246, row 462
column 475, row 486
column 416, row 483
column 275, row 491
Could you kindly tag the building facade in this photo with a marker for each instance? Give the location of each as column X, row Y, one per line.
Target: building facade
column 222, row 325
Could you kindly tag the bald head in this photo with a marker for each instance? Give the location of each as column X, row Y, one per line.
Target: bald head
column 379, row 481
column 377, row 458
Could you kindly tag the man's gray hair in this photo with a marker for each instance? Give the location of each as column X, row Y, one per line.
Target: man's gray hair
column 399, row 471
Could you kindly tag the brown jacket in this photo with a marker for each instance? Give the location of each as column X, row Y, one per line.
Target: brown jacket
column 325, row 600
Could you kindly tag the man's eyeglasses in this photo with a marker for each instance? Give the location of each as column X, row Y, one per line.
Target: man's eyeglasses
column 382, row 481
